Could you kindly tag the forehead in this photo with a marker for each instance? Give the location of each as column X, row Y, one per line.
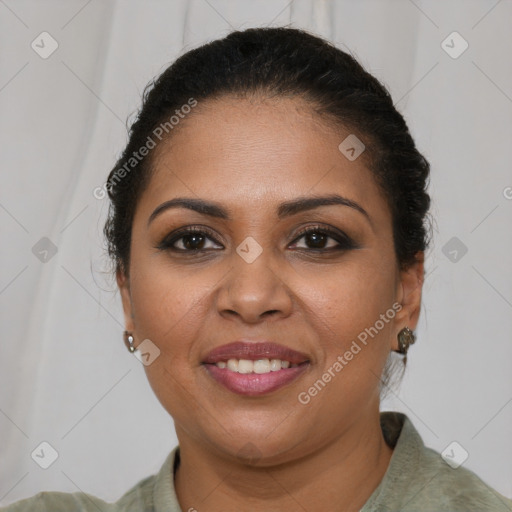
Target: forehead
column 248, row 153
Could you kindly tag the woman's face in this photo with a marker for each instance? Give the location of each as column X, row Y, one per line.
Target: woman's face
column 255, row 276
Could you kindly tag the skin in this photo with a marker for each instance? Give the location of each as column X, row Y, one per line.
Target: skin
column 269, row 452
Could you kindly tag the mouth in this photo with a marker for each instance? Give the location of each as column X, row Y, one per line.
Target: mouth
column 255, row 369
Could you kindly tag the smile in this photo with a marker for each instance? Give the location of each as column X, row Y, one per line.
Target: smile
column 255, row 378
column 259, row 366
column 254, row 368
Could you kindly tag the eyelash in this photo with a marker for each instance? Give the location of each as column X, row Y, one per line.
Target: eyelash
column 344, row 242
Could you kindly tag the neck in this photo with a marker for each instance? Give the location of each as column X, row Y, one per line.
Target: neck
column 344, row 472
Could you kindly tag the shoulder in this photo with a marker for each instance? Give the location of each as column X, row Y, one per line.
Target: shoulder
column 139, row 497
column 419, row 479
column 437, row 484
column 58, row 501
column 154, row 493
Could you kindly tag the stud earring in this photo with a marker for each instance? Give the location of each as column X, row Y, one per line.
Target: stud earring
column 405, row 339
column 128, row 341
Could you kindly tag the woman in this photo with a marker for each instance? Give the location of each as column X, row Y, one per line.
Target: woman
column 268, row 225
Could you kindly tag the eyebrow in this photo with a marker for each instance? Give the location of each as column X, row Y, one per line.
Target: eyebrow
column 286, row 209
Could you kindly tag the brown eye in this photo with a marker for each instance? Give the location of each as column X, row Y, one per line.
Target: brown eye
column 317, row 239
column 188, row 240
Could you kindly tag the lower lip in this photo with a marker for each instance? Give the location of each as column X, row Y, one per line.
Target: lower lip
column 255, row 384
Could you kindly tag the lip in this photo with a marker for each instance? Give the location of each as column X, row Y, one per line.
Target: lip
column 255, row 384
column 253, row 351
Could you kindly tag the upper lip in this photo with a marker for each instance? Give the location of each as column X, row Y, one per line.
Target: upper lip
column 254, row 350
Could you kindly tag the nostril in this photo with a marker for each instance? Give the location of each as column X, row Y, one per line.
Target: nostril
column 270, row 312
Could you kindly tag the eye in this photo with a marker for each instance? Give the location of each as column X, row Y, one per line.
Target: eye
column 316, row 239
column 194, row 239
column 191, row 239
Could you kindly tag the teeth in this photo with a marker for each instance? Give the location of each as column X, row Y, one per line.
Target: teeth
column 233, row 365
column 261, row 366
column 245, row 366
column 275, row 365
column 258, row 366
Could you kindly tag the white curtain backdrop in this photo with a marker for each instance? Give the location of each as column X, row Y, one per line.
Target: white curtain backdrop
column 65, row 375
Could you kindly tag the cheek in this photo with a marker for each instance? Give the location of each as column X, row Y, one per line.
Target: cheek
column 167, row 305
column 344, row 301
column 352, row 315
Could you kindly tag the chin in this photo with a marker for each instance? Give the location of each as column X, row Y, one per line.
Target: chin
column 261, row 448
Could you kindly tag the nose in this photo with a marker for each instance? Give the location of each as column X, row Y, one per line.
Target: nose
column 254, row 292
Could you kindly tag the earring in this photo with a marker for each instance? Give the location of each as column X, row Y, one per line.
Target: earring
column 128, row 341
column 405, row 339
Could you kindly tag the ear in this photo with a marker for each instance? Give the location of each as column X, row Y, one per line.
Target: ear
column 410, row 285
column 124, row 288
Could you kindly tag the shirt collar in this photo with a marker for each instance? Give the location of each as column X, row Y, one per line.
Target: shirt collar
column 401, row 435
column 164, row 493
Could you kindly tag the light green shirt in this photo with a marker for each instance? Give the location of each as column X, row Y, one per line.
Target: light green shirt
column 417, row 479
